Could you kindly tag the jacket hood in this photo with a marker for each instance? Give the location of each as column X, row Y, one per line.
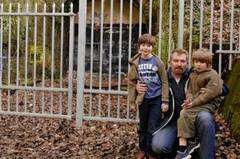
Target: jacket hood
column 207, row 70
column 135, row 59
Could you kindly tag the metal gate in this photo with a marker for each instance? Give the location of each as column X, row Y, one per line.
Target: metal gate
column 189, row 24
column 33, row 60
column 31, row 82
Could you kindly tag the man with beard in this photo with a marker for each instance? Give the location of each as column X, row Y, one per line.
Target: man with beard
column 165, row 138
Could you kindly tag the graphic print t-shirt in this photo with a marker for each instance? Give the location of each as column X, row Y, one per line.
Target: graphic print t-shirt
column 147, row 73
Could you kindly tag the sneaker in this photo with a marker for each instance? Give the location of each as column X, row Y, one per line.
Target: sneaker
column 182, row 155
column 187, row 154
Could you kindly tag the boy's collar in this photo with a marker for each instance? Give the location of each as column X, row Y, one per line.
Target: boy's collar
column 145, row 58
column 206, row 70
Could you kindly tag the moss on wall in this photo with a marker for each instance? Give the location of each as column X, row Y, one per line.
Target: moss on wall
column 231, row 108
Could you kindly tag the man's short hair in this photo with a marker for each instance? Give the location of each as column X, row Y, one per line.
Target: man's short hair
column 146, row 39
column 202, row 55
column 179, row 51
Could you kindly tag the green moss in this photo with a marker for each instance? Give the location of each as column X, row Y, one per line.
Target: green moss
column 164, row 48
column 231, row 109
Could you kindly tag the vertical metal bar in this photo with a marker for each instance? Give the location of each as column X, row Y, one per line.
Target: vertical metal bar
column 160, row 28
column 150, row 17
column 17, row 68
column 239, row 33
column 211, row 25
column 201, row 24
column 26, row 57
column 35, row 59
column 81, row 59
column 231, row 35
column 110, row 59
column 221, row 36
column 61, row 59
column 70, row 75
column 130, row 32
column 181, row 23
column 140, row 18
column 44, row 57
column 190, row 34
column 53, row 55
column 170, row 29
column 120, row 57
column 129, row 45
column 101, row 52
column 9, row 52
column 91, row 56
column 1, row 53
column 140, row 25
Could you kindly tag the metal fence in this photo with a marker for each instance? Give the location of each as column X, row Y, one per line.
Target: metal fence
column 216, row 25
column 106, row 39
column 189, row 24
column 31, row 82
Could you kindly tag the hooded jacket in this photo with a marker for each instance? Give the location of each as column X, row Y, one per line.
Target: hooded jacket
column 133, row 96
column 203, row 86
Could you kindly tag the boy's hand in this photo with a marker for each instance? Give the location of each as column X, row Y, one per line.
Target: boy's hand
column 141, row 87
column 187, row 104
column 164, row 107
column 203, row 90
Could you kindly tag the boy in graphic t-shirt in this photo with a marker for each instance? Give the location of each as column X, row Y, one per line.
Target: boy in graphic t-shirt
column 149, row 69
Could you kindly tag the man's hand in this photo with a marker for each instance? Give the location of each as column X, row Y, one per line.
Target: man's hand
column 187, row 104
column 141, row 87
column 165, row 107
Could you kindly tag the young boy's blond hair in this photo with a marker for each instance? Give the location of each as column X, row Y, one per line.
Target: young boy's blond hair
column 203, row 55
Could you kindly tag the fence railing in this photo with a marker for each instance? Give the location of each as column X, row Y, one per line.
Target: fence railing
column 112, row 30
column 37, row 51
column 32, row 79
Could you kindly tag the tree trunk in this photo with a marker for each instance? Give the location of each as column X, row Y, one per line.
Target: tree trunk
column 231, row 109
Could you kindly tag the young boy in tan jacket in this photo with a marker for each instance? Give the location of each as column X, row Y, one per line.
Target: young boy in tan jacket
column 204, row 85
column 149, row 69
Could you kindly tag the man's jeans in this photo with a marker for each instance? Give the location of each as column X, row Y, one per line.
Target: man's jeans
column 206, row 132
column 164, row 141
column 150, row 118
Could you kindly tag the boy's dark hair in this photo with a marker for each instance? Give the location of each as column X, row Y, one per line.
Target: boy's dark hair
column 146, row 39
column 203, row 55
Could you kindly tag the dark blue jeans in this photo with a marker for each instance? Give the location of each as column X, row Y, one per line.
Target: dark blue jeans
column 164, row 141
column 205, row 125
column 150, row 118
